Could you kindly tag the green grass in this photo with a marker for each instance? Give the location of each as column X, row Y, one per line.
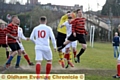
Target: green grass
column 98, row 58
column 99, row 78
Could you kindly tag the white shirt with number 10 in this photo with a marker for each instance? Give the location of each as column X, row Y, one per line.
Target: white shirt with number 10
column 41, row 36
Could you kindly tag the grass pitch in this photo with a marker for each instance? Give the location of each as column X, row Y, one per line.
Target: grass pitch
column 97, row 63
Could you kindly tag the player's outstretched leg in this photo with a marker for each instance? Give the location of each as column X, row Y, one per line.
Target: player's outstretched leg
column 28, row 59
column 79, row 54
column 84, row 46
column 25, row 55
column 61, row 47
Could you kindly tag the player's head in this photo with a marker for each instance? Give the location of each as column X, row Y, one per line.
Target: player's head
column 69, row 18
column 68, row 13
column 116, row 33
column 79, row 13
column 43, row 20
column 15, row 19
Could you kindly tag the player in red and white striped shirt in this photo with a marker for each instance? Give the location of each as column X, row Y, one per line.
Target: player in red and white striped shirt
column 3, row 39
column 78, row 33
column 12, row 33
column 21, row 36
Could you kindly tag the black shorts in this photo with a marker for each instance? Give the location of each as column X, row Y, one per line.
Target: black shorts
column 60, row 39
column 14, row 46
column 79, row 37
column 3, row 45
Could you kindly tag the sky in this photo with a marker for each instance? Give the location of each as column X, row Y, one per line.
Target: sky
column 91, row 4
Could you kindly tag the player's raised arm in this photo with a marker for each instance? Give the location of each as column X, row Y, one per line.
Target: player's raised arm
column 64, row 24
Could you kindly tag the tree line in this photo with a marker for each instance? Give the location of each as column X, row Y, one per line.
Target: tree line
column 31, row 19
column 111, row 6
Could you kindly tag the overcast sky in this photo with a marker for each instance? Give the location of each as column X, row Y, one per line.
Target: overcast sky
column 93, row 4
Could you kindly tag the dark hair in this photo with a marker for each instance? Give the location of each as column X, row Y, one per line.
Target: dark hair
column 13, row 16
column 43, row 18
column 78, row 10
column 68, row 11
column 69, row 17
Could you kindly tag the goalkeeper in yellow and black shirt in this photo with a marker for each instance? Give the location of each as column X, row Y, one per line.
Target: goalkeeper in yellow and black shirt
column 62, row 35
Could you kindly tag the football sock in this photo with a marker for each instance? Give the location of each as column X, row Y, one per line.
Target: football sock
column 38, row 68
column 27, row 58
column 7, row 54
column 74, row 53
column 70, row 56
column 18, row 60
column 9, row 60
column 69, row 61
column 48, row 69
column 61, row 55
column 65, row 56
column 81, row 52
column 118, row 69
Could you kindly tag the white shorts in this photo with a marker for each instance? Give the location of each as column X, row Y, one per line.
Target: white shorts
column 63, row 50
column 72, row 44
column 43, row 54
column 21, row 46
